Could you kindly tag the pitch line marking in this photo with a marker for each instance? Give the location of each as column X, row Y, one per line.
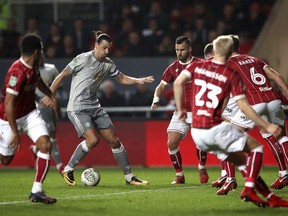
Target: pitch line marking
column 102, row 195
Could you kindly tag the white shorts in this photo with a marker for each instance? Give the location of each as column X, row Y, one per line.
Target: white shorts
column 231, row 109
column 180, row 126
column 220, row 140
column 32, row 125
column 272, row 111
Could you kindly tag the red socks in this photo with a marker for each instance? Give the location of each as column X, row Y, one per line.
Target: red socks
column 42, row 166
column 202, row 156
column 176, row 159
column 276, row 150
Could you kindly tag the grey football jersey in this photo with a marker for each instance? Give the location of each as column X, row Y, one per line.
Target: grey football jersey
column 48, row 73
column 87, row 75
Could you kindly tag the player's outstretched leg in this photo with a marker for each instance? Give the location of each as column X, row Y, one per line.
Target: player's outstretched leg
column 80, row 152
column 121, row 157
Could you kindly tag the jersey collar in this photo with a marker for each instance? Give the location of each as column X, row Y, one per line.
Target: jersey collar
column 186, row 63
column 23, row 62
column 217, row 62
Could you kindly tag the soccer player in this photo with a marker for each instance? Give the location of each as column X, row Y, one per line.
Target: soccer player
column 84, row 110
column 18, row 113
column 227, row 180
column 213, row 83
column 177, row 129
column 265, row 101
column 48, row 73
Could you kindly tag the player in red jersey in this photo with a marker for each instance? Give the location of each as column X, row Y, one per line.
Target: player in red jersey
column 227, row 180
column 264, row 100
column 18, row 113
column 213, row 83
column 177, row 130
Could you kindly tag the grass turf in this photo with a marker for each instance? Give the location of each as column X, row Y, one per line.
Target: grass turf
column 113, row 197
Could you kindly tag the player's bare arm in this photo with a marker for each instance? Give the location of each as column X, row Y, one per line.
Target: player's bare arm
column 10, row 113
column 244, row 106
column 128, row 80
column 53, row 100
column 59, row 80
column 46, row 101
column 178, row 88
column 278, row 79
column 157, row 94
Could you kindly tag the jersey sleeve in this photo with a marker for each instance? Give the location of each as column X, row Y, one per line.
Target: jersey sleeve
column 167, row 76
column 189, row 69
column 76, row 64
column 231, row 64
column 113, row 72
column 262, row 63
column 15, row 80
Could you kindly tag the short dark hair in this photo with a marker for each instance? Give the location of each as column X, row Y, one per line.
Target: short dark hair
column 208, row 49
column 100, row 36
column 236, row 42
column 30, row 43
column 182, row 39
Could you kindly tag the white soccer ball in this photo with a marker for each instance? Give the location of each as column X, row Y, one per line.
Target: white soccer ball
column 90, row 177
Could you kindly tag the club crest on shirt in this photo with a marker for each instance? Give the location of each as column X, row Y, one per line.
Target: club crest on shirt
column 13, row 81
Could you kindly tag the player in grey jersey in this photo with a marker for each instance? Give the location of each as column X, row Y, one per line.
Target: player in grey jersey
column 48, row 73
column 90, row 120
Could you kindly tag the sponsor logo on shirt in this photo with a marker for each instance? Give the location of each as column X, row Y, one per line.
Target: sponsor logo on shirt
column 13, row 81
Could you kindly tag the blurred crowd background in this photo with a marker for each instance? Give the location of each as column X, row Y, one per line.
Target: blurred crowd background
column 138, row 27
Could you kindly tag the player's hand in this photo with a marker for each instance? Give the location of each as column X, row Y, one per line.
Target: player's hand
column 275, row 130
column 46, row 102
column 15, row 141
column 155, row 103
column 144, row 80
column 182, row 114
column 154, row 106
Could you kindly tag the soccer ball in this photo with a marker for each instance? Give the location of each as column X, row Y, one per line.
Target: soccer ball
column 90, row 177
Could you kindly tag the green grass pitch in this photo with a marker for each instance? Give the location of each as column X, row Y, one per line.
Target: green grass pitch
column 113, row 197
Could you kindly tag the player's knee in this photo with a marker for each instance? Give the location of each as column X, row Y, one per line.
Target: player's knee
column 115, row 143
column 172, row 144
column 44, row 144
column 6, row 160
column 92, row 142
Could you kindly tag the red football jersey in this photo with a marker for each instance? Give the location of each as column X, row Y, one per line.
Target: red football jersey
column 257, row 86
column 172, row 72
column 21, row 81
column 212, row 83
